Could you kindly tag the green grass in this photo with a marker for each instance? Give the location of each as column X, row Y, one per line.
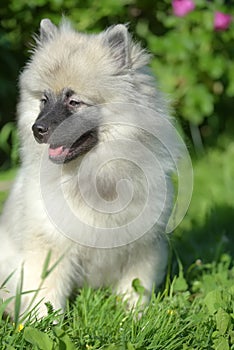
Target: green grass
column 208, row 228
column 193, row 310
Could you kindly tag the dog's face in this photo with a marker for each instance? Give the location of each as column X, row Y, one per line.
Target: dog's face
column 73, row 74
column 68, row 124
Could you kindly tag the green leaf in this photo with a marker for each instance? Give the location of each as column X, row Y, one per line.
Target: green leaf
column 64, row 339
column 223, row 320
column 38, row 338
column 137, row 286
column 5, row 133
column 198, row 103
column 213, row 300
column 221, row 344
column 179, row 283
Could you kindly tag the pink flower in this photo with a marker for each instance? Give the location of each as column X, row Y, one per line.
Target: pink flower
column 182, row 7
column 221, row 21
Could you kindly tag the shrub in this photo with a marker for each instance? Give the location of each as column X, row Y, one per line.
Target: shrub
column 193, row 59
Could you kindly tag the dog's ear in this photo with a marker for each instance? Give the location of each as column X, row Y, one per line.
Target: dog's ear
column 47, row 30
column 118, row 40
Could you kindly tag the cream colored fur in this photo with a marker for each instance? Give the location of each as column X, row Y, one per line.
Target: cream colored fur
column 95, row 71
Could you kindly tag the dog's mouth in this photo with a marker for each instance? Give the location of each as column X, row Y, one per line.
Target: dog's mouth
column 62, row 153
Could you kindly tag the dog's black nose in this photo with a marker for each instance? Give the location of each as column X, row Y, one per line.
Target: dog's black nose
column 40, row 132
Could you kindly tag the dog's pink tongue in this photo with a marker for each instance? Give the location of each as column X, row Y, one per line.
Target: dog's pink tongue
column 55, row 152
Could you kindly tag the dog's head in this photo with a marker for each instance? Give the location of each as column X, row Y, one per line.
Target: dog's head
column 72, row 75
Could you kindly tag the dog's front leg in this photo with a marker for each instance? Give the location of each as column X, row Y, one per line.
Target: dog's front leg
column 46, row 278
column 145, row 270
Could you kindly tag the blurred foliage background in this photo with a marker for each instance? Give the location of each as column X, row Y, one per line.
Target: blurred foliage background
column 194, row 63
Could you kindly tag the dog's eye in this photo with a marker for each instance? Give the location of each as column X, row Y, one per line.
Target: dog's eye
column 43, row 100
column 75, row 103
